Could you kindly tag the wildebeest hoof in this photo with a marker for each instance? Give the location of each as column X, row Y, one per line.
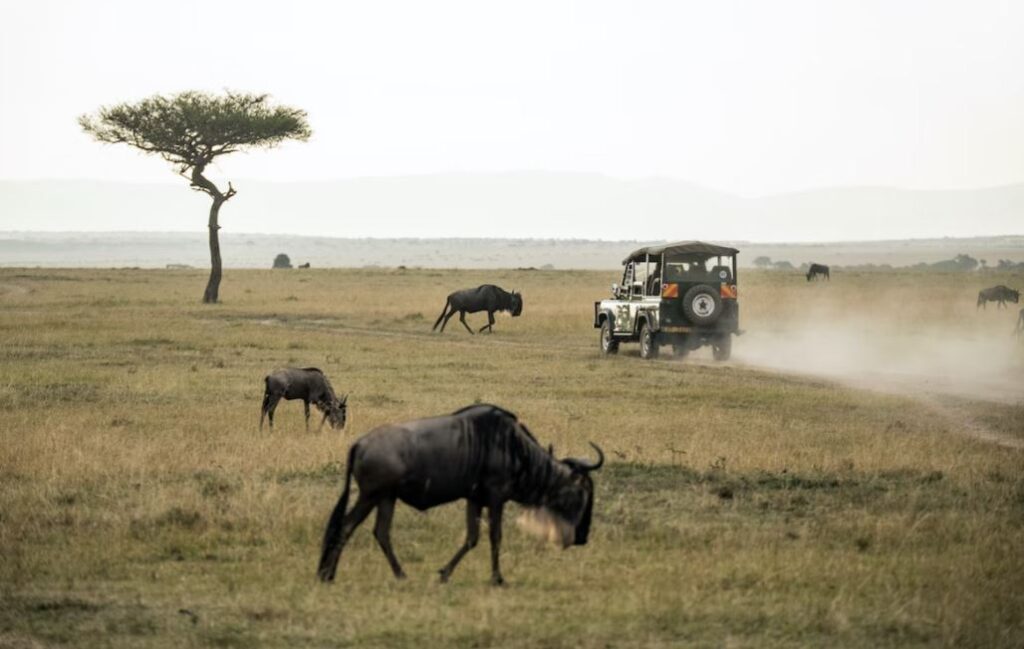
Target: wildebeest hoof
column 326, row 577
column 444, row 575
column 497, row 580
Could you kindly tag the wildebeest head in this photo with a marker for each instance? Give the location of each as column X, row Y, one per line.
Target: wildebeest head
column 338, row 413
column 517, row 304
column 573, row 499
column 1013, row 295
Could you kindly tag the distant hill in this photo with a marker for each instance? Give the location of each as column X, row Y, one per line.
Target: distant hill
column 157, row 250
column 517, row 205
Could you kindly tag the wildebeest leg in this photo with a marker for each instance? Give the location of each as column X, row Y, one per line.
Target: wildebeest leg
column 382, row 532
column 263, row 408
column 472, row 537
column 462, row 319
column 272, row 400
column 490, row 322
column 446, row 319
column 306, row 406
column 494, row 511
column 322, row 420
column 352, row 520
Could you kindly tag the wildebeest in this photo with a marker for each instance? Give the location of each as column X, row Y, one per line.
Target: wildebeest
column 817, row 270
column 308, row 384
column 489, row 298
column 1001, row 294
column 481, row 453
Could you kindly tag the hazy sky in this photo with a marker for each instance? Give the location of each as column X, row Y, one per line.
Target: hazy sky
column 748, row 97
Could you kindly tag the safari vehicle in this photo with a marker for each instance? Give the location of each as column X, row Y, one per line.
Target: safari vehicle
column 683, row 294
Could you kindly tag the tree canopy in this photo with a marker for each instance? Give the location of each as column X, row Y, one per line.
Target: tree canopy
column 192, row 128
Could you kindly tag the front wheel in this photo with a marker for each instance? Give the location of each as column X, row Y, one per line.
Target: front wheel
column 721, row 349
column 609, row 345
column 648, row 342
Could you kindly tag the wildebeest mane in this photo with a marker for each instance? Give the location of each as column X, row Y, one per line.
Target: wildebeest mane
column 534, row 466
column 491, row 406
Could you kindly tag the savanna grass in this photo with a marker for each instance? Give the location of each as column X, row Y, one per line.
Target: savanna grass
column 140, row 507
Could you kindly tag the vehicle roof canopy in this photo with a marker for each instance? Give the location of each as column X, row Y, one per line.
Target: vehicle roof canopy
column 681, row 248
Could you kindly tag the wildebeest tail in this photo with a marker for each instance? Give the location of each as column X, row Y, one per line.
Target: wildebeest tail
column 447, row 303
column 331, row 550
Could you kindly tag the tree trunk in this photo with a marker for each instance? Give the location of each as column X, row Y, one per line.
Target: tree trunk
column 213, row 285
column 199, row 181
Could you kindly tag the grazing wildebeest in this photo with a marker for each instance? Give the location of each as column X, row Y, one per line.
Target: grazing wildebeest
column 481, row 453
column 1001, row 294
column 817, row 270
column 308, row 384
column 489, row 298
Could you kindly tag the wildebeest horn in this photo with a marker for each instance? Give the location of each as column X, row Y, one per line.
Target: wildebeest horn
column 585, row 465
column 343, row 400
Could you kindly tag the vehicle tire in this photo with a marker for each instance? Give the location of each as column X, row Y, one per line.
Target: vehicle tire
column 721, row 348
column 608, row 343
column 702, row 304
column 648, row 342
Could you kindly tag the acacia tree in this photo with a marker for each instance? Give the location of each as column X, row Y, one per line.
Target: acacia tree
column 190, row 130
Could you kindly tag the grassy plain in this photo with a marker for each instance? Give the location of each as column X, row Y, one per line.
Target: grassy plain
column 741, row 507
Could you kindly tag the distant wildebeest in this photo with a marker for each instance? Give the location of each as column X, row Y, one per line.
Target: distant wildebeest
column 489, row 298
column 817, row 270
column 481, row 453
column 308, row 384
column 305, row 265
column 1001, row 294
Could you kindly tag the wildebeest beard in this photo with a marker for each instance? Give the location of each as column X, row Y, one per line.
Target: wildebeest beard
column 565, row 518
column 548, row 526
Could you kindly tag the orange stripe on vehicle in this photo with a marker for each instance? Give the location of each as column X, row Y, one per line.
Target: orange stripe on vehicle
column 670, row 290
column 728, row 291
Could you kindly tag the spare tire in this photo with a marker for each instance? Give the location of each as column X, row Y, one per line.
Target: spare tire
column 702, row 305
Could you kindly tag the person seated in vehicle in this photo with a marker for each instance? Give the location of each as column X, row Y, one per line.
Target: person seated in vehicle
column 717, row 273
column 654, row 281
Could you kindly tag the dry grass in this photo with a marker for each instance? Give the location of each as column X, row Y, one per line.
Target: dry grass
column 140, row 507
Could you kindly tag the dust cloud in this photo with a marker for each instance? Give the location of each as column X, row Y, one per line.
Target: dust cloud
column 986, row 364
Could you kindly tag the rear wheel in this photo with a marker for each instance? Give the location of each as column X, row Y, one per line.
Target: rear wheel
column 721, row 349
column 702, row 305
column 648, row 342
column 609, row 345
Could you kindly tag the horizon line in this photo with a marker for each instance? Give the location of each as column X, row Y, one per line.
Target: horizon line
column 173, row 180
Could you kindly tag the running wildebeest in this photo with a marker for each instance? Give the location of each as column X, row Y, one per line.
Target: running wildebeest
column 308, row 384
column 489, row 298
column 817, row 270
column 1001, row 294
column 481, row 453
